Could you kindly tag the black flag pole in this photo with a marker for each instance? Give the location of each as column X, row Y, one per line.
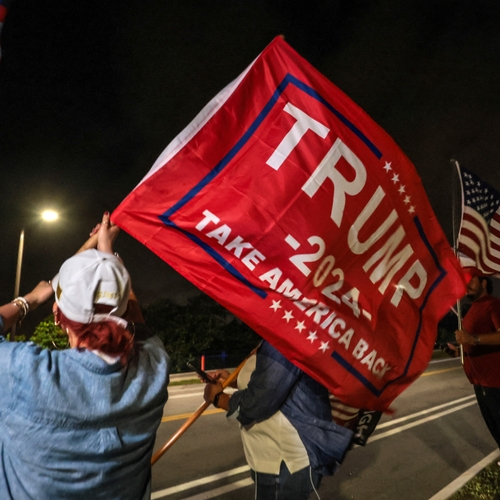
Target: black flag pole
column 456, row 217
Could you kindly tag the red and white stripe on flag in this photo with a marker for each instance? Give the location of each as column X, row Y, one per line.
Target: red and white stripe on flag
column 287, row 204
column 479, row 235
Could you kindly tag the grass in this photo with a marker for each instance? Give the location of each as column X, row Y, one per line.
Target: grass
column 484, row 486
column 185, row 382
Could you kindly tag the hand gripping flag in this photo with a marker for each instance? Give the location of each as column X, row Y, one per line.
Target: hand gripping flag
column 479, row 235
column 287, row 204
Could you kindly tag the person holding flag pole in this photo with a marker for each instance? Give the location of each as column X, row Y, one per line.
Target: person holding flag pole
column 80, row 423
column 289, row 437
column 479, row 332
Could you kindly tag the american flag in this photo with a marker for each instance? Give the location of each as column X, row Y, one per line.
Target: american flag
column 4, row 7
column 479, row 236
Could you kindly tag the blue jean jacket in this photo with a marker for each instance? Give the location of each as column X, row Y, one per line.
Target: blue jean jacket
column 277, row 384
column 74, row 427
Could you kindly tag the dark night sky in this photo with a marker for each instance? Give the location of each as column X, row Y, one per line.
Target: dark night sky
column 92, row 92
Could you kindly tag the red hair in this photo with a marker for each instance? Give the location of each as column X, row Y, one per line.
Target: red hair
column 107, row 337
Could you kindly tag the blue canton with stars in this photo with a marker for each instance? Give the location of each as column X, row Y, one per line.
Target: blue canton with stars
column 479, row 195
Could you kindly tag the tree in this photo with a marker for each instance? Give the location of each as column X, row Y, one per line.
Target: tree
column 202, row 326
column 49, row 335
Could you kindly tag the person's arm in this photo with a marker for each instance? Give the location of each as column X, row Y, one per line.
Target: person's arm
column 464, row 337
column 269, row 386
column 12, row 312
column 102, row 236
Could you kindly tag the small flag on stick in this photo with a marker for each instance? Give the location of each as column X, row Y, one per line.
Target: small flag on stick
column 479, row 236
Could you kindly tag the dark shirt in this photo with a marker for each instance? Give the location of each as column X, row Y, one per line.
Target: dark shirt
column 277, row 384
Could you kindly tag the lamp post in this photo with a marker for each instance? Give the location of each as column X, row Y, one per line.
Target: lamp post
column 47, row 216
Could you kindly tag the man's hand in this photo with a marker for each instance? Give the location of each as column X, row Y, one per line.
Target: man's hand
column 464, row 337
column 211, row 390
column 452, row 350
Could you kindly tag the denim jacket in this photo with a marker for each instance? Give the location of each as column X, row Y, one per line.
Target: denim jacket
column 277, row 384
column 74, row 427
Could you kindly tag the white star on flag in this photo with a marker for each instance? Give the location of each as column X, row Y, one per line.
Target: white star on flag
column 312, row 336
column 276, row 305
column 324, row 346
column 300, row 326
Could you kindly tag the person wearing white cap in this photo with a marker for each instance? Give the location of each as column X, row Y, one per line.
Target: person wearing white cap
column 81, row 423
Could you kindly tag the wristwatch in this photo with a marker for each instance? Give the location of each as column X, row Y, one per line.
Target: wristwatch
column 216, row 399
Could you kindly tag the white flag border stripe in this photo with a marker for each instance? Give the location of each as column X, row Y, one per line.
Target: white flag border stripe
column 196, row 124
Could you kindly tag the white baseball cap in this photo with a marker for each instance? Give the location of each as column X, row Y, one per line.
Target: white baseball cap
column 89, row 278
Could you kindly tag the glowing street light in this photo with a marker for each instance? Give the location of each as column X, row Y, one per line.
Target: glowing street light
column 47, row 216
column 50, row 215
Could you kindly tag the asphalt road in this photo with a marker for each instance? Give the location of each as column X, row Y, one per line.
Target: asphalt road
column 435, row 434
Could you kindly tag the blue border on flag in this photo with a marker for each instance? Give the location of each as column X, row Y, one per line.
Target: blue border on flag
column 442, row 273
column 289, row 79
column 165, row 217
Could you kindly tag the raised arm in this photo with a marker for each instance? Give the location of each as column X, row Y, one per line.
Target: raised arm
column 16, row 310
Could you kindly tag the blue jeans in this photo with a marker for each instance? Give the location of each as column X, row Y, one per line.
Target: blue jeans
column 286, row 486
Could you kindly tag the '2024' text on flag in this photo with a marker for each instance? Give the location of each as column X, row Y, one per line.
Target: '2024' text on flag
column 287, row 204
column 479, row 236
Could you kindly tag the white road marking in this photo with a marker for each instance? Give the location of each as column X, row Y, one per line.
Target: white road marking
column 243, row 483
column 460, row 481
column 424, row 412
column 200, row 482
column 377, row 436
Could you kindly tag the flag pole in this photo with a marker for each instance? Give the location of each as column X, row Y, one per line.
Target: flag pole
column 190, row 421
column 455, row 238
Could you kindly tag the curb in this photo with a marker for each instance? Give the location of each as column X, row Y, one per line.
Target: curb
column 183, row 377
column 463, row 479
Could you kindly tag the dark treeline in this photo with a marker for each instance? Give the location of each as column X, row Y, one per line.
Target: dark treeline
column 201, row 327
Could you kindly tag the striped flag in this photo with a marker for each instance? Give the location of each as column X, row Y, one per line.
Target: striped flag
column 4, row 7
column 479, row 236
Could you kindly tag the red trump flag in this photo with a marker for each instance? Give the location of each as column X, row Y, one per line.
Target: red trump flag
column 287, row 204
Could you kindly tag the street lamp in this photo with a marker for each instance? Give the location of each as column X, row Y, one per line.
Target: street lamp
column 47, row 216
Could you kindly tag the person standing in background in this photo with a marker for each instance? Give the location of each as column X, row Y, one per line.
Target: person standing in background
column 480, row 338
column 289, row 437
